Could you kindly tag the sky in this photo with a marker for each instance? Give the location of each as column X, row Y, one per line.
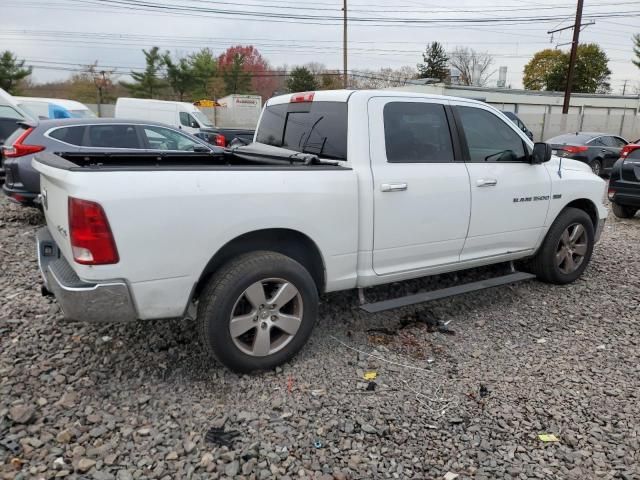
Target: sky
column 61, row 36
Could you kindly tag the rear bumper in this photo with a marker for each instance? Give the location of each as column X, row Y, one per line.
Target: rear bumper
column 81, row 301
column 18, row 195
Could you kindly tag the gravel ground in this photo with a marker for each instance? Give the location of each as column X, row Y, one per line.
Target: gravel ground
column 137, row 400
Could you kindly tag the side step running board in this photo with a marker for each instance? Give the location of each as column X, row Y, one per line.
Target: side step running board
column 445, row 292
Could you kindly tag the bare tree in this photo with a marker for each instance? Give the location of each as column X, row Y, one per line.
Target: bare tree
column 473, row 66
column 383, row 78
column 103, row 81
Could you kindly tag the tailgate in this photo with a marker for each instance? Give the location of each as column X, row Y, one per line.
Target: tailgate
column 54, row 191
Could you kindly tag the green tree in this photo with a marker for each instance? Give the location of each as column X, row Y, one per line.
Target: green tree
column 236, row 78
column 204, row 68
column 12, row 71
column 435, row 63
column 301, row 80
column 148, row 84
column 180, row 75
column 636, row 49
column 548, row 71
column 540, row 67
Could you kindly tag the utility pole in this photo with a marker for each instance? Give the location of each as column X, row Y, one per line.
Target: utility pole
column 624, row 87
column 572, row 58
column 344, row 47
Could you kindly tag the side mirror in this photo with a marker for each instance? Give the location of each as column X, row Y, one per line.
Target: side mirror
column 541, row 153
column 194, row 124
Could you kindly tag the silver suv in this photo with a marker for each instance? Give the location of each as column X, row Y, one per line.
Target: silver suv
column 105, row 135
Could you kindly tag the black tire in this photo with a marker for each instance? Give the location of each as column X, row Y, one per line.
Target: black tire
column 227, row 288
column 544, row 264
column 596, row 166
column 621, row 211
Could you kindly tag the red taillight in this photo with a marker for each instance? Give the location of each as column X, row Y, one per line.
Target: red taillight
column 575, row 149
column 611, row 193
column 91, row 238
column 19, row 149
column 627, row 149
column 302, row 97
column 219, row 140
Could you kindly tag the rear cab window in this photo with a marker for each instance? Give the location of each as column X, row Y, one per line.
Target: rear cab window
column 417, row 132
column 319, row 128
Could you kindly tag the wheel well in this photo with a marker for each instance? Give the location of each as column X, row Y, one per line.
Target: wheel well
column 291, row 243
column 587, row 206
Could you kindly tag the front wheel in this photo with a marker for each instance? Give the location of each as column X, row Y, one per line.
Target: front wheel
column 258, row 311
column 621, row 211
column 566, row 250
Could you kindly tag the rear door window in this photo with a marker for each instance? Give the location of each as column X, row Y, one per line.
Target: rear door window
column 417, row 132
column 319, row 128
column 70, row 135
column 160, row 138
column 112, row 136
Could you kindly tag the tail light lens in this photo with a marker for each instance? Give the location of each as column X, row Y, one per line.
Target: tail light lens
column 20, row 149
column 611, row 193
column 302, row 97
column 219, row 140
column 627, row 149
column 575, row 149
column 92, row 242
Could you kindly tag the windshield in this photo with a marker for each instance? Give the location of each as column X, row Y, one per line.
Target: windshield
column 202, row 118
column 82, row 114
column 319, row 128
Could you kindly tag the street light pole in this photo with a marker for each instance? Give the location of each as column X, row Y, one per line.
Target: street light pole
column 344, row 47
column 572, row 58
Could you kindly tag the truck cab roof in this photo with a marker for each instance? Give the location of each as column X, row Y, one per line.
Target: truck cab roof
column 346, row 95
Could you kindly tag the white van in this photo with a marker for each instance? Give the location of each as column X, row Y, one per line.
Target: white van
column 46, row 108
column 9, row 108
column 180, row 115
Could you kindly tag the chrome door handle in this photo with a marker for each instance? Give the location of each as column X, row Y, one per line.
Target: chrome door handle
column 486, row 182
column 393, row 187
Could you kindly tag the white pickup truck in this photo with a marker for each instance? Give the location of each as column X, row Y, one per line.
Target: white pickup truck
column 340, row 190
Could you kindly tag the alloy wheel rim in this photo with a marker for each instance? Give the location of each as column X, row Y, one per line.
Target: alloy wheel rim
column 572, row 248
column 266, row 317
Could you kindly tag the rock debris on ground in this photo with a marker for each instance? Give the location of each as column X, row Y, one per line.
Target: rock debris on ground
column 135, row 401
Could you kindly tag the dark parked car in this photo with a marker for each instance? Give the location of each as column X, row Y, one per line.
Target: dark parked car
column 624, row 184
column 599, row 150
column 7, row 127
column 226, row 137
column 106, row 135
column 515, row 119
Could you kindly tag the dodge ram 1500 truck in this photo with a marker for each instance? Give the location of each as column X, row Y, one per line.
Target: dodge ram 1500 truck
column 340, row 190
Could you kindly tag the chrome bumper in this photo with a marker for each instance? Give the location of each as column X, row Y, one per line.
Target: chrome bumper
column 599, row 229
column 81, row 301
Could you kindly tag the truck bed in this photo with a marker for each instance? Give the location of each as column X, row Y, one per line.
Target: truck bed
column 243, row 157
column 170, row 214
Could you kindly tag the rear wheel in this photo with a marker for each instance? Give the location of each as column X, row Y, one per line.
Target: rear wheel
column 621, row 211
column 566, row 250
column 596, row 166
column 258, row 311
